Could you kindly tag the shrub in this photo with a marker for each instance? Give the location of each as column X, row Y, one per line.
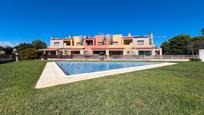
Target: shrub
column 195, row 59
column 44, row 56
column 29, row 53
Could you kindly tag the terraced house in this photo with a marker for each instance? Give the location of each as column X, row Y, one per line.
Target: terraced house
column 108, row 45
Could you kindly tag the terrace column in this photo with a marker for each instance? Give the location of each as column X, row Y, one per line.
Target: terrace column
column 123, row 52
column 160, row 53
column 70, row 42
column 107, row 53
column 153, row 51
column 91, row 52
column 63, row 52
column 81, row 52
column 49, row 53
column 68, row 52
column 136, row 52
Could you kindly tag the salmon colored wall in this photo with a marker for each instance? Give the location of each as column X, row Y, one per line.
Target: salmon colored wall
column 98, row 39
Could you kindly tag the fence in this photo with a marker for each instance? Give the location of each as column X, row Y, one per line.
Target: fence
column 155, row 57
column 6, row 57
column 125, row 57
column 75, row 56
column 57, row 56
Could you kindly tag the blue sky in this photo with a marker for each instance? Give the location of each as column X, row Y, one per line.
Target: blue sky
column 26, row 20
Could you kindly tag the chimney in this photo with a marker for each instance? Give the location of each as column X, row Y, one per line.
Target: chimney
column 70, row 36
column 52, row 37
column 151, row 38
column 107, row 35
column 151, row 35
column 129, row 34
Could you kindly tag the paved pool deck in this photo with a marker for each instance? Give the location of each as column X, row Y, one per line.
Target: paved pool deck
column 52, row 75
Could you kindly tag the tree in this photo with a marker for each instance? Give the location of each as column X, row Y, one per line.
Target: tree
column 29, row 53
column 165, row 47
column 38, row 44
column 202, row 31
column 197, row 43
column 178, row 45
column 23, row 46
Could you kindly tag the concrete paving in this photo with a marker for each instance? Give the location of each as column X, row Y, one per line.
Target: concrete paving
column 52, row 75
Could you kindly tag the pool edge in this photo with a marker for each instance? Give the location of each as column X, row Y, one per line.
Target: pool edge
column 53, row 75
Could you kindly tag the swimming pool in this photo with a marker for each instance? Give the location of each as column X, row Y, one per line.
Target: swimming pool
column 71, row 68
column 56, row 73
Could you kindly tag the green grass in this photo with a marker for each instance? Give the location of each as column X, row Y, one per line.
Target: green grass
column 177, row 89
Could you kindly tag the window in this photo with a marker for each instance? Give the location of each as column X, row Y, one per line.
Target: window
column 146, row 53
column 115, row 43
column 56, row 43
column 67, row 43
column 100, row 43
column 79, row 43
column 127, row 42
column 140, row 42
column 89, row 42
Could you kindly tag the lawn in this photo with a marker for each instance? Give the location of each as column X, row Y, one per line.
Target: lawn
column 176, row 89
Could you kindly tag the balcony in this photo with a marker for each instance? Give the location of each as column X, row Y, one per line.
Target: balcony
column 144, row 46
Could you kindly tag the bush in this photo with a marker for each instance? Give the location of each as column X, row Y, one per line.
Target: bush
column 195, row 59
column 43, row 56
column 29, row 53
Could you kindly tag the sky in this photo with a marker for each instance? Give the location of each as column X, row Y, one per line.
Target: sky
column 27, row 20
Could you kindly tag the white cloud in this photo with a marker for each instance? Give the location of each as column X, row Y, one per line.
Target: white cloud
column 17, row 43
column 6, row 43
column 162, row 36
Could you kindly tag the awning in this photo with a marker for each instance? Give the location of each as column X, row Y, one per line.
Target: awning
column 49, row 49
column 75, row 49
column 99, row 49
column 116, row 49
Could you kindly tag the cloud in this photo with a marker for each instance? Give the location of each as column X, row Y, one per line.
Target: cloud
column 162, row 36
column 17, row 43
column 6, row 43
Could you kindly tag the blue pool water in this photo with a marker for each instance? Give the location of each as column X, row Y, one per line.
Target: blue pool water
column 70, row 68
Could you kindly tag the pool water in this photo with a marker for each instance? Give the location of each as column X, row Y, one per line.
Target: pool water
column 70, row 68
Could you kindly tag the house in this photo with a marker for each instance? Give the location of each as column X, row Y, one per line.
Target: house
column 108, row 45
column 6, row 50
column 2, row 50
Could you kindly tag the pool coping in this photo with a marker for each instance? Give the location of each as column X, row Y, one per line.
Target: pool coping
column 53, row 75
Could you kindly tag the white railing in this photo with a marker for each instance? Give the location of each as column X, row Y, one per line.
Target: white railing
column 155, row 57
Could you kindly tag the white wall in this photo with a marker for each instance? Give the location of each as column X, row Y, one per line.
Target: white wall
column 2, row 52
column 201, row 54
column 52, row 43
column 146, row 41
